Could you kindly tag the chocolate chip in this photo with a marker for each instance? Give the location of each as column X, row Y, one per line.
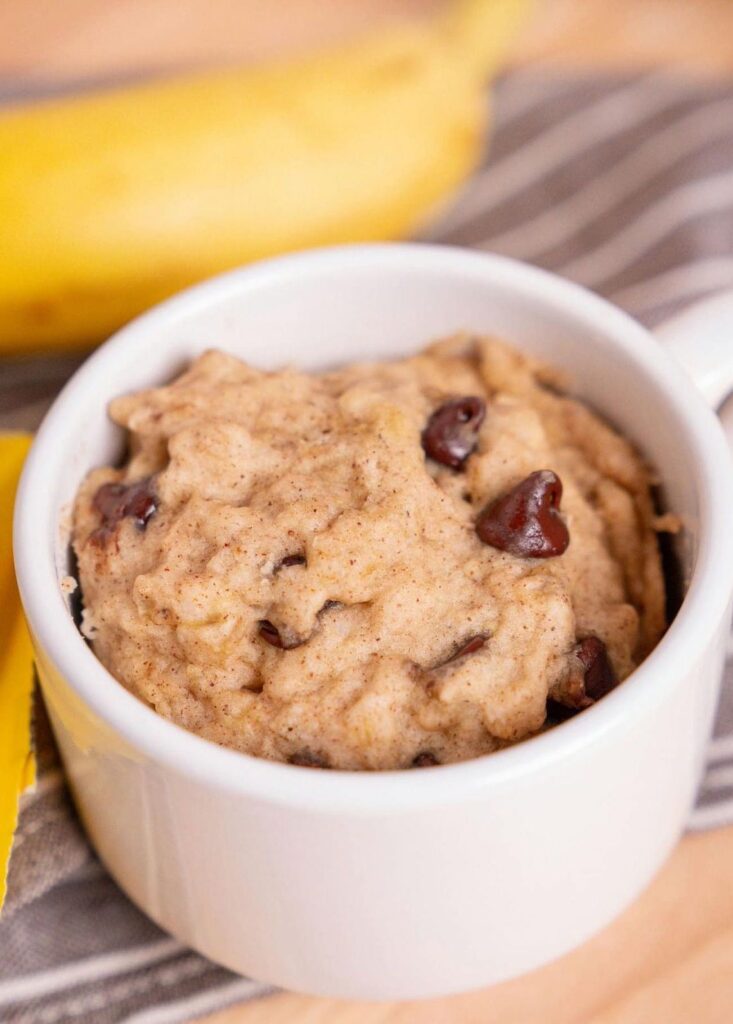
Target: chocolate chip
column 599, row 677
column 466, row 647
column 290, row 560
column 526, row 521
column 451, row 433
column 469, row 647
column 558, row 712
column 591, row 676
column 270, row 633
column 307, row 759
column 286, row 639
column 115, row 502
column 425, row 759
column 274, row 637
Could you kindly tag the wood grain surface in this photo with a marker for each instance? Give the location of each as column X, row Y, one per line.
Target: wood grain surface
column 75, row 38
column 668, row 959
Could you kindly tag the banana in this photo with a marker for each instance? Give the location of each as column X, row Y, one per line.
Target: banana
column 109, row 202
column 17, row 764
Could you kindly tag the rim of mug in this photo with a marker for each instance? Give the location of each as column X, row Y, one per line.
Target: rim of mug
column 705, row 601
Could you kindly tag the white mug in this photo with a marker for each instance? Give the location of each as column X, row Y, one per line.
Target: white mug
column 409, row 883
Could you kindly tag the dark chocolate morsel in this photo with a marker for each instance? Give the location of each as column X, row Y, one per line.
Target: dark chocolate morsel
column 425, row 759
column 591, row 677
column 272, row 635
column 307, row 759
column 526, row 521
column 116, row 501
column 451, row 433
column 290, row 560
column 599, row 677
column 475, row 643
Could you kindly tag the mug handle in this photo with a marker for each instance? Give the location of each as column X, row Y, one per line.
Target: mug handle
column 701, row 339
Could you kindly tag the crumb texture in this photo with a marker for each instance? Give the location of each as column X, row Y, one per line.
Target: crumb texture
column 281, row 568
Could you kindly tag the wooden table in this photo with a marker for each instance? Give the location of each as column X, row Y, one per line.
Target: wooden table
column 669, row 959
column 72, row 38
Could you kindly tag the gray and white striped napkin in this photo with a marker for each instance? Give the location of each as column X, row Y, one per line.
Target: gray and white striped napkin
column 624, row 184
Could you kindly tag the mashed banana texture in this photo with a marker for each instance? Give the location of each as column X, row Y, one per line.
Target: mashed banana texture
column 289, row 564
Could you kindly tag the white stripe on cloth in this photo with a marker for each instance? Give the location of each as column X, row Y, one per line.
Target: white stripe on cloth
column 678, row 207
column 567, row 219
column 623, row 108
column 91, row 969
column 656, row 316
column 184, row 1010
column 683, row 282
column 56, row 813
column 720, row 748
column 102, row 997
column 712, row 816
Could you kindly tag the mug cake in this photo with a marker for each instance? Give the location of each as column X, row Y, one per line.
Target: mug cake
column 389, row 565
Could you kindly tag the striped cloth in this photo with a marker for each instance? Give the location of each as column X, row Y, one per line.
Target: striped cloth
column 625, row 185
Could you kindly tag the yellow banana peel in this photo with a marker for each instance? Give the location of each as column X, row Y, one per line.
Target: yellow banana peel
column 110, row 202
column 17, row 765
